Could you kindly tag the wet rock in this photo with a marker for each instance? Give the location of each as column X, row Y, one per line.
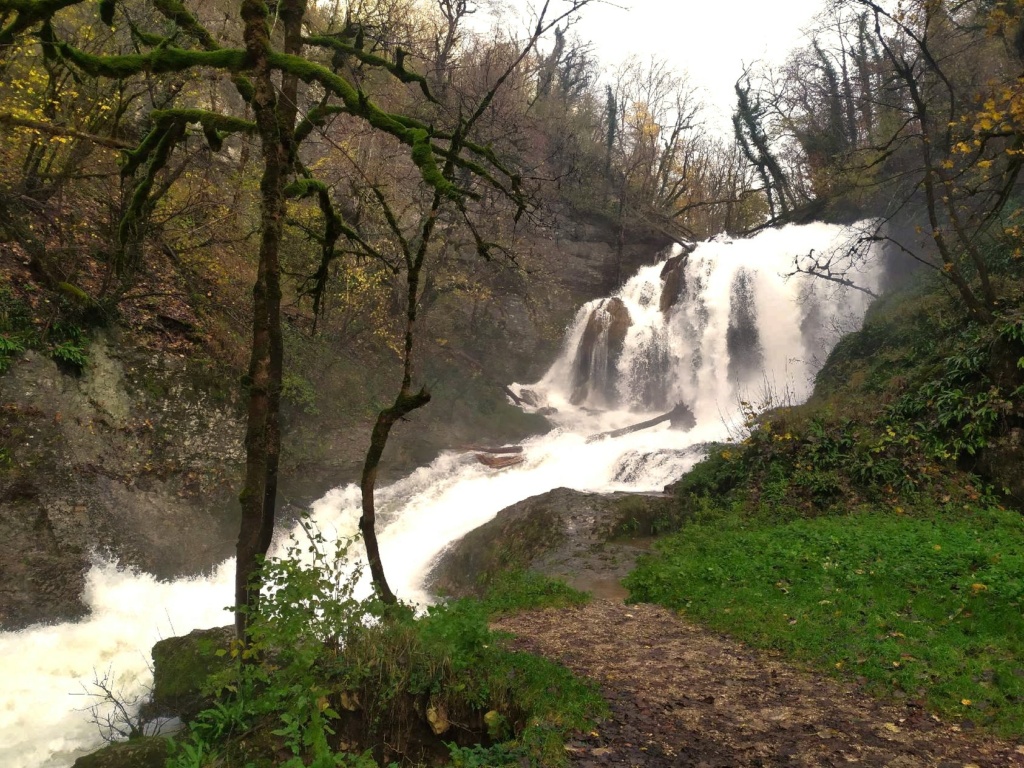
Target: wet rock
column 529, row 397
column 182, row 667
column 683, row 418
column 144, row 752
column 599, row 350
column 562, row 533
column 674, row 275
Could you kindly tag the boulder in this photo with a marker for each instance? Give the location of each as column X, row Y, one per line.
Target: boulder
column 144, row 752
column 562, row 533
column 182, row 667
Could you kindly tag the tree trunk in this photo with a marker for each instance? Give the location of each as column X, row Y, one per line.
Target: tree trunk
column 681, row 417
column 263, row 435
column 404, row 404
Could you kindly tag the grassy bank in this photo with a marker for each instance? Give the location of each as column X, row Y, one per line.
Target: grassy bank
column 872, row 533
column 927, row 604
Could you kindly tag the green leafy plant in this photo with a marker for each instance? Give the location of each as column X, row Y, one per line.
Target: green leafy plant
column 9, row 347
column 321, row 660
column 298, row 391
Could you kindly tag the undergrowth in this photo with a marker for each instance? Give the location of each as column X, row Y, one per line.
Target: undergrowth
column 331, row 680
column 57, row 333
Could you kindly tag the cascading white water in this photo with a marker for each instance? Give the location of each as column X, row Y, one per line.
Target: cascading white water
column 724, row 327
column 710, row 328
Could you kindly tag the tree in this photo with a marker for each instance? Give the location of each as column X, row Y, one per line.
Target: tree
column 292, row 72
column 415, row 242
column 909, row 116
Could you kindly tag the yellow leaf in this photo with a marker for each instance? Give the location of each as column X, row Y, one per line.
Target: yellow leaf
column 965, row 702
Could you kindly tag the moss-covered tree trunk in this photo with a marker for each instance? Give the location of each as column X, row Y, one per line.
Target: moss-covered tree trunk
column 263, row 432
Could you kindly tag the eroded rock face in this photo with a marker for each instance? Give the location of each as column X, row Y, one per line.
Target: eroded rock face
column 593, row 369
column 562, row 533
column 130, row 458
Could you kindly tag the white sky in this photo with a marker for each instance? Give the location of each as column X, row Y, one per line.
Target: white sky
column 708, row 39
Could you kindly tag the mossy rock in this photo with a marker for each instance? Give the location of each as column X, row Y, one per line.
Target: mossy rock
column 181, row 668
column 554, row 533
column 144, row 752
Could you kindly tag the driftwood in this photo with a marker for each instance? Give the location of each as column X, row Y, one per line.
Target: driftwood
column 499, row 462
column 500, row 449
column 681, row 418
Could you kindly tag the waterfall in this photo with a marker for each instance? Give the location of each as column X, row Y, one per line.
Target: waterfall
column 708, row 329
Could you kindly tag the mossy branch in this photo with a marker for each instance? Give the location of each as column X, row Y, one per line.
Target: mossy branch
column 176, row 12
column 149, row 39
column 158, row 61
column 173, row 59
column 314, row 118
column 28, row 14
column 139, row 205
column 170, row 120
column 416, row 135
column 334, row 228
column 397, row 69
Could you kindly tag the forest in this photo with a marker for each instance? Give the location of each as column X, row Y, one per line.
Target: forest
column 334, row 224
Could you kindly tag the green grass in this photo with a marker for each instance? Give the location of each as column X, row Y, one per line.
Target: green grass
column 521, row 590
column 930, row 605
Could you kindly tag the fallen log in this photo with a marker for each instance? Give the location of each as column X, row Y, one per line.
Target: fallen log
column 499, row 462
column 499, row 449
column 681, row 417
column 516, row 399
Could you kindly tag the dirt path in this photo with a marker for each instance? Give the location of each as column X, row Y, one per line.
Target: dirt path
column 683, row 696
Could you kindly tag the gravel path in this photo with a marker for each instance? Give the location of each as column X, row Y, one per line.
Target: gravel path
column 683, row 696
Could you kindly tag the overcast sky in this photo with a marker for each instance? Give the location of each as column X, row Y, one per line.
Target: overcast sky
column 709, row 39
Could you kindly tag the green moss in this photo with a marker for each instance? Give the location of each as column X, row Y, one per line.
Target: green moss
column 145, row 752
column 183, row 666
column 157, row 61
